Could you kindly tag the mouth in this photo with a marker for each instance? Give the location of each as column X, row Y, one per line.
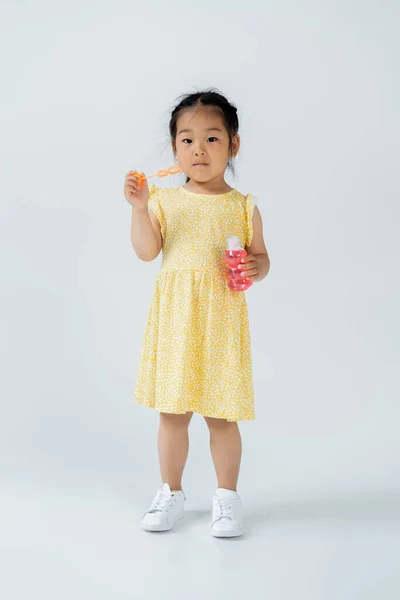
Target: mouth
column 200, row 165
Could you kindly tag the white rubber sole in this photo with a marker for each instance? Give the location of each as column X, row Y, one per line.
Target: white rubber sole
column 227, row 534
column 167, row 527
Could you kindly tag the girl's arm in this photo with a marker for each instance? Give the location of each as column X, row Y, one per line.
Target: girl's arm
column 145, row 233
column 256, row 264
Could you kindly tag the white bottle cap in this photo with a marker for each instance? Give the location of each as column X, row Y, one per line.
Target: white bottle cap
column 234, row 243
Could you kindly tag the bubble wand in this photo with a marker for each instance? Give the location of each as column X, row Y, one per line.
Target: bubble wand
column 175, row 170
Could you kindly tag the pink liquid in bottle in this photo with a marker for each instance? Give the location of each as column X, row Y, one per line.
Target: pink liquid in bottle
column 233, row 256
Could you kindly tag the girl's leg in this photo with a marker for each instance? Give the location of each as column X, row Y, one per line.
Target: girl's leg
column 173, row 447
column 226, row 451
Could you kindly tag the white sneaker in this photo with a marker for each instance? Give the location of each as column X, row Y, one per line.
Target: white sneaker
column 227, row 514
column 165, row 510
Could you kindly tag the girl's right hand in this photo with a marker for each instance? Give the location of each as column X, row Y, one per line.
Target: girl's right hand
column 137, row 196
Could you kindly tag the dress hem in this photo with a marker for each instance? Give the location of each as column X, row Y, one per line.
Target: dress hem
column 211, row 416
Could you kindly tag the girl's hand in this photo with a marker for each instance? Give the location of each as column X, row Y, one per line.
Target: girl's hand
column 251, row 267
column 137, row 196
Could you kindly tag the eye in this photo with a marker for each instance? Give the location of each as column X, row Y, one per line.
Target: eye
column 212, row 139
column 187, row 140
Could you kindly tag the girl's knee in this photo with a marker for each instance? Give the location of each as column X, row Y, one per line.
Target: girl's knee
column 219, row 424
column 172, row 420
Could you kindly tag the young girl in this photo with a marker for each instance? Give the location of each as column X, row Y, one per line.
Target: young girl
column 196, row 354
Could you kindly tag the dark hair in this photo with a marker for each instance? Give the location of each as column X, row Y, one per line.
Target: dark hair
column 208, row 97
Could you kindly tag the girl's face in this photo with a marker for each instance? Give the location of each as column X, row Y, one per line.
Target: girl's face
column 202, row 144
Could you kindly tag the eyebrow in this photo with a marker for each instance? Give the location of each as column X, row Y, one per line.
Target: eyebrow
column 208, row 129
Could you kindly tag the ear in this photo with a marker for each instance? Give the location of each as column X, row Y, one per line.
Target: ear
column 235, row 145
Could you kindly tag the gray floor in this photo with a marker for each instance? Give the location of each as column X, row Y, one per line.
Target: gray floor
column 83, row 547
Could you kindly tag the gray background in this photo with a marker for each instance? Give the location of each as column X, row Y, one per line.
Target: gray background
column 86, row 91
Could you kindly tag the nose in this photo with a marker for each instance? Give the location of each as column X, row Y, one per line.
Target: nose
column 199, row 150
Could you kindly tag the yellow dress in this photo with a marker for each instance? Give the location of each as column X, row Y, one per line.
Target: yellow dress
column 196, row 349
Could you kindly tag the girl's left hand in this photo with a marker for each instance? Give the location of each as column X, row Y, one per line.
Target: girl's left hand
column 251, row 267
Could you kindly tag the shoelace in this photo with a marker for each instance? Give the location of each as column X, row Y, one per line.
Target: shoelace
column 225, row 508
column 160, row 502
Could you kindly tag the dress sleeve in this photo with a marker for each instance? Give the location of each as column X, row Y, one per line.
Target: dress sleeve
column 156, row 207
column 250, row 203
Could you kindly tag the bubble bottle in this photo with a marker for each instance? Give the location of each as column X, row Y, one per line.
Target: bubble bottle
column 233, row 255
